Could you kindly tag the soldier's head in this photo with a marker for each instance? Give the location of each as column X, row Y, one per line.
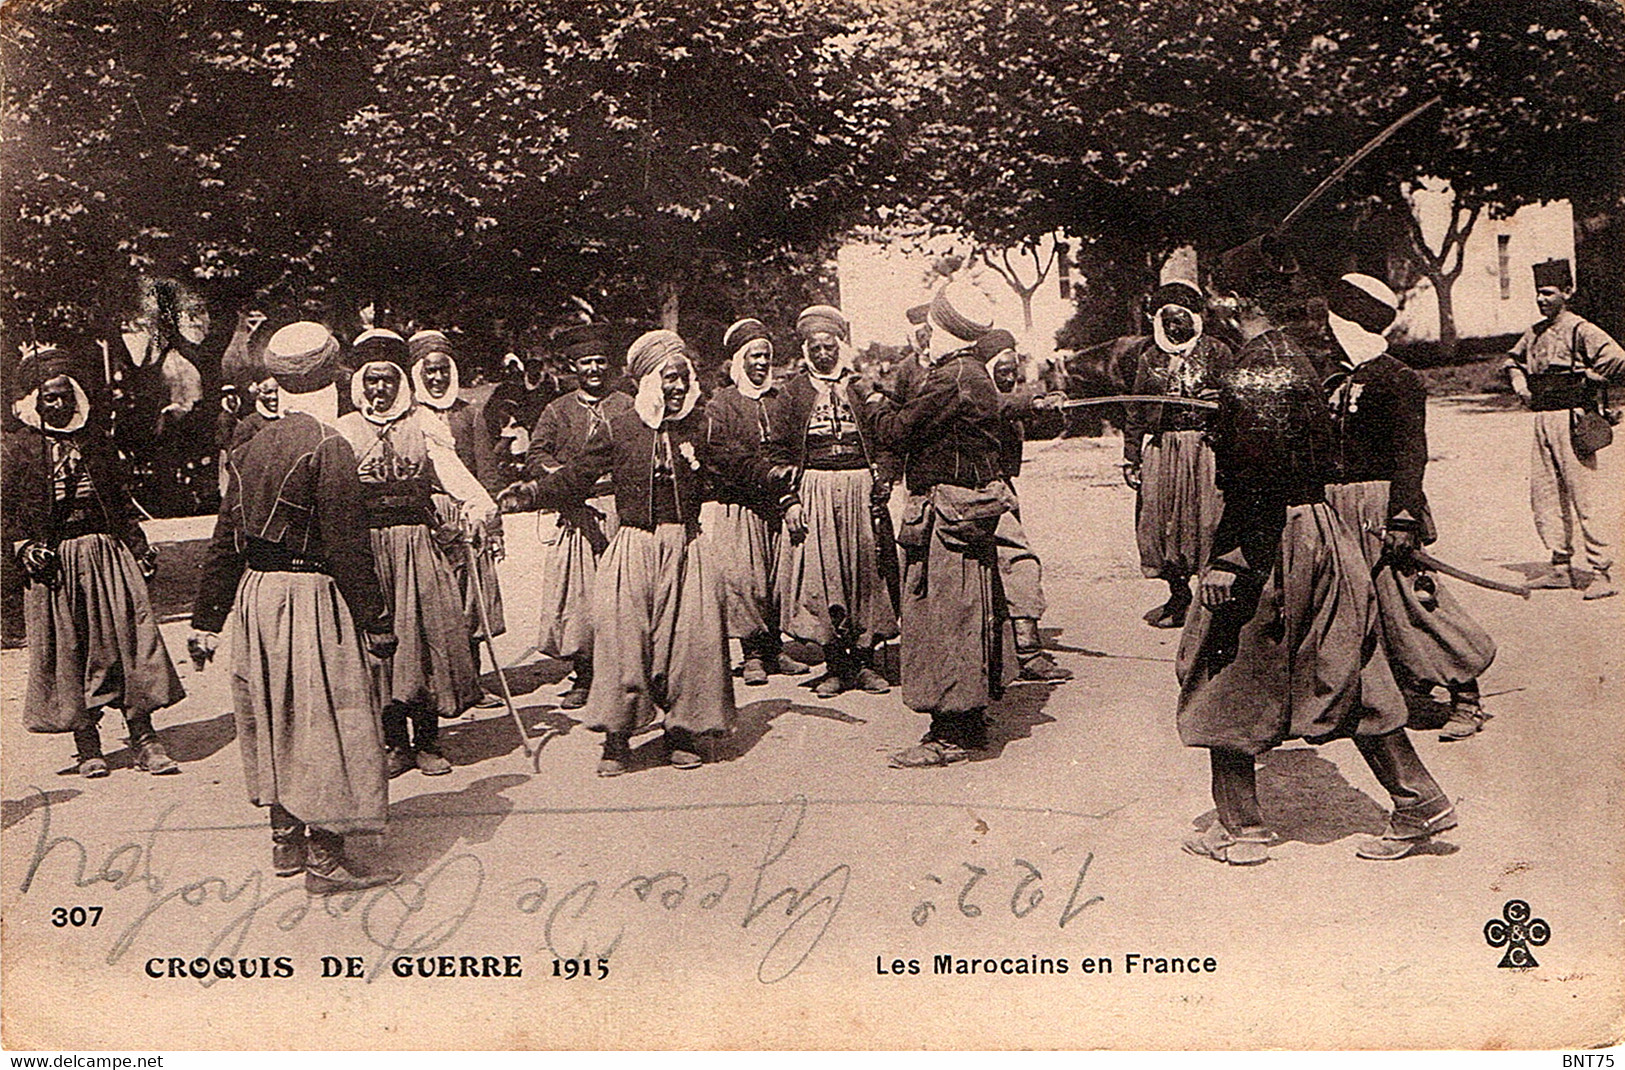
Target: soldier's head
column 1554, row 286
column 586, row 348
column 57, row 402
column 380, row 384
column 824, row 333
column 676, row 380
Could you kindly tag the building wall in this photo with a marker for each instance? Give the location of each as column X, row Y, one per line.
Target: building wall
column 1495, row 293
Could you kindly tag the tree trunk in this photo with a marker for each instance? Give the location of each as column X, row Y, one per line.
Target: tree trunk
column 1027, row 310
column 1448, row 342
column 668, row 304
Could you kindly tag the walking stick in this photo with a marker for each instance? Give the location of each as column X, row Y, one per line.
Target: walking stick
column 490, row 648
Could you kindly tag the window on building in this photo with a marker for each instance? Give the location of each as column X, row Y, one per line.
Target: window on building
column 1502, row 242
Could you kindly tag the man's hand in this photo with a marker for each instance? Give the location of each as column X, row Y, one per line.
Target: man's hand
column 516, row 497
column 38, row 561
column 201, row 647
column 1216, row 587
column 795, row 522
column 1520, row 386
column 497, row 545
column 1131, row 474
column 381, row 645
column 1051, row 400
column 1398, row 544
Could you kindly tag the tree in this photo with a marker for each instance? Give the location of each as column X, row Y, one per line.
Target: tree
column 1007, row 270
column 1443, row 266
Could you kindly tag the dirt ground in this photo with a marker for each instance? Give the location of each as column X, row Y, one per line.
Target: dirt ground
column 777, row 895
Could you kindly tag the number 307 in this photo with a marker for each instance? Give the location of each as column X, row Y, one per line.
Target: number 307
column 78, row 917
column 570, row 969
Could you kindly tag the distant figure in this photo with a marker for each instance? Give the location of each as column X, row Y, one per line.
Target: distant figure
column 1561, row 368
column 745, row 523
column 93, row 639
column 1167, row 455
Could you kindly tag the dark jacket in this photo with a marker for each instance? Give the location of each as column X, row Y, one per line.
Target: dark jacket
column 1015, row 407
column 563, row 429
column 1272, row 445
column 31, row 513
column 950, row 430
column 293, row 491
column 1379, row 414
column 1207, row 363
column 473, row 443
column 797, row 396
column 737, row 432
column 627, row 454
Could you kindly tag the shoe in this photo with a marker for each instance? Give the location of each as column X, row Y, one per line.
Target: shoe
column 488, row 701
column 1041, row 666
column 288, row 856
column 398, row 760
column 1172, row 618
column 1249, row 847
column 431, row 763
column 788, row 666
column 1558, row 578
column 151, row 756
column 617, row 755
column 93, row 768
column 754, row 672
column 929, row 754
column 682, row 749
column 1408, row 832
column 328, row 871
column 872, row 682
column 1467, row 719
column 1600, row 587
column 831, row 686
column 573, row 699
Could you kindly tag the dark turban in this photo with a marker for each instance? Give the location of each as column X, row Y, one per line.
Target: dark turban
column 993, row 343
column 584, row 340
column 823, row 318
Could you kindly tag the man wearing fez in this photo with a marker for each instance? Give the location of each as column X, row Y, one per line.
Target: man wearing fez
column 1019, row 567
column 404, row 458
column 1286, row 642
column 1167, row 457
column 958, row 647
column 93, row 640
column 1380, row 453
column 573, row 546
column 291, row 559
column 744, row 523
column 1560, row 368
column 832, row 591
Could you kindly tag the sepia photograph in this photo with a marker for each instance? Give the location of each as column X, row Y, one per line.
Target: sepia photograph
column 780, row 525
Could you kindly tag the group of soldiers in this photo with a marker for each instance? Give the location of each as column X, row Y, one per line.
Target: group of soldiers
column 357, row 554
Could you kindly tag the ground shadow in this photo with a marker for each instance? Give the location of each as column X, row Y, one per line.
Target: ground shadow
column 186, row 743
column 14, row 810
column 472, row 742
column 1305, row 798
column 1084, row 651
column 1015, row 716
column 755, row 719
column 524, row 679
column 1532, row 569
column 424, row 828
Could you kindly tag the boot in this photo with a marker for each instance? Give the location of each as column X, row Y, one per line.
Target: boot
column 952, row 738
column 754, row 672
column 865, row 678
column 87, row 743
column 287, row 843
column 1467, row 716
column 617, row 754
column 1036, row 663
column 328, row 871
column 580, row 686
column 1600, row 586
column 683, row 748
column 148, row 750
column 1560, row 577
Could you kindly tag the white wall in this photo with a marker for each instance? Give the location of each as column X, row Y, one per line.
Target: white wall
column 1482, row 305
